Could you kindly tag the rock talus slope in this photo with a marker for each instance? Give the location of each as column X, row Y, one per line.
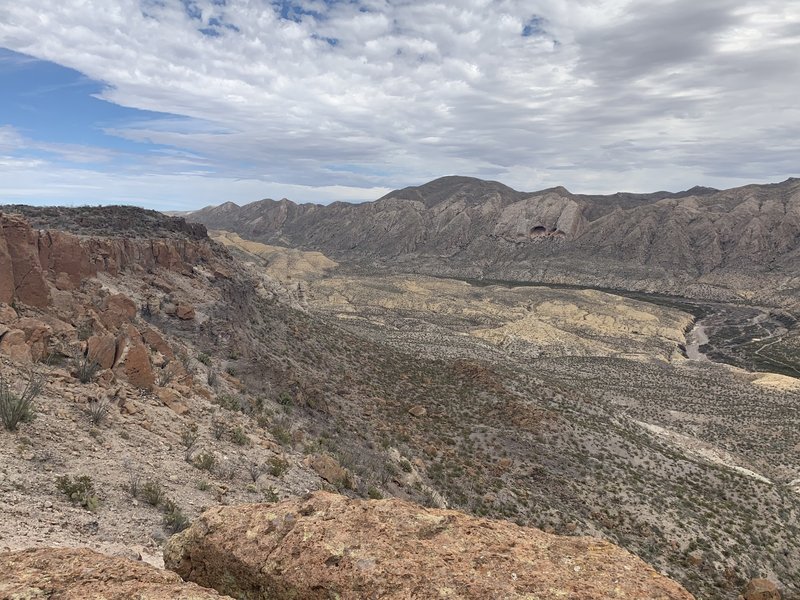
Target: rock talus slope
column 327, row 546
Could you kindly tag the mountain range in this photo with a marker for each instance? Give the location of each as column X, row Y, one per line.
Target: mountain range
column 702, row 242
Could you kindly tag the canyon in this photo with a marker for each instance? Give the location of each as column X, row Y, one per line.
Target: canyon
column 319, row 377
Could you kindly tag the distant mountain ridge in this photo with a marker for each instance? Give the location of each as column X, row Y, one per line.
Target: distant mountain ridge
column 695, row 242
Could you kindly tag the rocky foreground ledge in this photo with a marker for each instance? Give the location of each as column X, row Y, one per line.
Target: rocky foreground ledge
column 82, row 574
column 327, row 546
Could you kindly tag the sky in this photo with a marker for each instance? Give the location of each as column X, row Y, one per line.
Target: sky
column 177, row 104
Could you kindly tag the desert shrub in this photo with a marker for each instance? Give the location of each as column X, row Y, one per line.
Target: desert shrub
column 205, row 359
column 228, row 401
column 98, row 411
column 205, row 461
column 152, row 492
column 18, row 407
column 84, row 330
column 211, row 378
column 285, row 399
column 165, row 375
column 86, row 367
column 278, row 466
column 270, row 495
column 189, row 438
column 374, row 493
column 80, row 490
column 218, row 428
column 227, row 470
column 174, row 519
column 134, row 483
column 406, row 466
column 239, row 437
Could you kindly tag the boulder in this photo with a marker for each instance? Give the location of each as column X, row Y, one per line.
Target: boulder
column 761, row 589
column 417, row 411
column 64, row 256
column 184, row 311
column 156, row 342
column 74, row 573
column 7, row 313
column 172, row 400
column 326, row 467
column 328, row 546
column 137, row 366
column 37, row 336
column 118, row 310
column 102, row 349
column 14, row 345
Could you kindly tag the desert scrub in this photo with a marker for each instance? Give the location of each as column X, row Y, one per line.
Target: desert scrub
column 18, row 407
column 278, row 466
column 79, row 490
column 205, row 461
column 239, row 437
column 174, row 519
column 86, row 367
column 152, row 492
column 97, row 411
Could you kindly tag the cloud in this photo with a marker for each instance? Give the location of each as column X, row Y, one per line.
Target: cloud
column 596, row 95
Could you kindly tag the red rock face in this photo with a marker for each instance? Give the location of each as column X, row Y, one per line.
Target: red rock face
column 63, row 256
column 21, row 250
column 6, row 270
column 29, row 259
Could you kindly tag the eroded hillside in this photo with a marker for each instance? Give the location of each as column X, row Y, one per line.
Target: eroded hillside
column 566, row 410
column 742, row 243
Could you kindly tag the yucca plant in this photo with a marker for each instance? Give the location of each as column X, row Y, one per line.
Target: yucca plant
column 18, row 407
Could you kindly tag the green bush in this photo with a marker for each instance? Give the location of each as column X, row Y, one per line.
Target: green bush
column 79, row 490
column 239, row 437
column 205, row 461
column 174, row 519
column 152, row 492
column 278, row 466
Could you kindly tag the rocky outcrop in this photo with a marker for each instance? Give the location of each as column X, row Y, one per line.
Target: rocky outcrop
column 78, row 573
column 33, row 260
column 19, row 264
column 327, row 546
column 761, row 589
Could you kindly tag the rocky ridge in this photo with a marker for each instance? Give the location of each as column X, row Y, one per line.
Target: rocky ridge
column 701, row 243
column 326, row 546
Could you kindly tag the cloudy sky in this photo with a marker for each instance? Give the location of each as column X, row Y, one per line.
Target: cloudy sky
column 176, row 104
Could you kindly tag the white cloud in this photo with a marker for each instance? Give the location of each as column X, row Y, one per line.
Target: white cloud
column 604, row 95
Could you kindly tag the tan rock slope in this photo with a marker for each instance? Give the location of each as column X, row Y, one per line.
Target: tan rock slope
column 281, row 263
column 81, row 574
column 327, row 546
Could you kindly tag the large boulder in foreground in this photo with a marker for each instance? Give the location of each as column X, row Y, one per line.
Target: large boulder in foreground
column 80, row 573
column 327, row 546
